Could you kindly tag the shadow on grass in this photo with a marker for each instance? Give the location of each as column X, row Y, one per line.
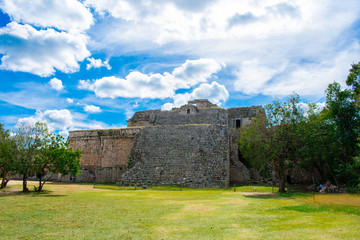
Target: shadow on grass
column 304, row 208
column 270, row 196
column 309, row 208
column 44, row 193
column 278, row 195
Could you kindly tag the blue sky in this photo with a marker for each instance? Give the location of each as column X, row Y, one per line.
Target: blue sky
column 93, row 64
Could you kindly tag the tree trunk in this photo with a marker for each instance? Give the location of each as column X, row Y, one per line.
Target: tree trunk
column 25, row 188
column 41, row 184
column 4, row 180
column 40, row 187
column 282, row 186
column 281, row 176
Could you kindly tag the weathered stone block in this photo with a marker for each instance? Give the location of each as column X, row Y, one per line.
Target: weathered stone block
column 193, row 155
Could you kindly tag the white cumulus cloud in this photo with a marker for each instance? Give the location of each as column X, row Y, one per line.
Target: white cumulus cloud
column 56, row 84
column 214, row 92
column 40, row 52
column 92, row 109
column 85, row 85
column 97, row 63
column 61, row 14
column 62, row 121
column 70, row 100
column 276, row 46
column 195, row 71
column 56, row 119
column 154, row 85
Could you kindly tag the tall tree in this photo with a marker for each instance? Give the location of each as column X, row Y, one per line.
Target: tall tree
column 318, row 144
column 55, row 157
column 7, row 156
column 344, row 117
column 353, row 80
column 270, row 139
column 29, row 138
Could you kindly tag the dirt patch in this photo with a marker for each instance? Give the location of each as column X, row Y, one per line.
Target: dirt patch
column 19, row 182
column 198, row 208
column 252, row 193
column 75, row 187
column 334, row 199
column 15, row 186
column 255, row 193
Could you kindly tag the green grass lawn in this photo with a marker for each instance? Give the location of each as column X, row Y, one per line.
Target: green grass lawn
column 78, row 211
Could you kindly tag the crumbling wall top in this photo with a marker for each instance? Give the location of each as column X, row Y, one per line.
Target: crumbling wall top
column 202, row 103
column 94, row 133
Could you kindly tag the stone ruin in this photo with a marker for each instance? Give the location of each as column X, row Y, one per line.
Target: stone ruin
column 194, row 146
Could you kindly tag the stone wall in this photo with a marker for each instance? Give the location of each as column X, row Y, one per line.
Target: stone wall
column 191, row 155
column 143, row 118
column 202, row 103
column 105, row 152
column 239, row 173
column 195, row 145
column 201, row 116
column 187, row 114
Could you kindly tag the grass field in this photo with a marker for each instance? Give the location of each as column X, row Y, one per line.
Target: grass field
column 79, row 211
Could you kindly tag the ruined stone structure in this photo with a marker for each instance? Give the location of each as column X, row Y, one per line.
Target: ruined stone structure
column 194, row 145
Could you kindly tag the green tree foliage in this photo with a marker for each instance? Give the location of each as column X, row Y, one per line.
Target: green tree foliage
column 269, row 141
column 29, row 138
column 353, row 80
column 317, row 143
column 343, row 116
column 327, row 141
column 55, row 157
column 42, row 154
column 7, row 156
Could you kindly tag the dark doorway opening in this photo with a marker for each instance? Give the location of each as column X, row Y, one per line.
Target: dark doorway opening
column 238, row 123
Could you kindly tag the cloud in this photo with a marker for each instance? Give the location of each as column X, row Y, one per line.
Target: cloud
column 193, row 6
column 281, row 10
column 133, row 10
column 56, row 84
column 305, row 107
column 85, row 85
column 40, row 52
column 62, row 121
column 253, row 76
column 278, row 36
column 214, row 92
column 242, row 19
column 195, row 71
column 92, row 109
column 69, row 100
column 306, row 79
column 284, row 9
column 56, row 119
column 32, row 96
column 97, row 63
column 61, row 14
column 154, row 85
column 135, row 84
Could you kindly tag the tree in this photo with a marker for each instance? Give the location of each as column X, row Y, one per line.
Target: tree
column 270, row 139
column 29, row 139
column 54, row 157
column 318, row 144
column 353, row 80
column 7, row 156
column 343, row 116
